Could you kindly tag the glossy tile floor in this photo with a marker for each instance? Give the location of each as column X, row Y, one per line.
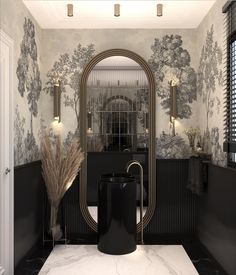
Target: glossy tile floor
column 146, row 260
column 201, row 259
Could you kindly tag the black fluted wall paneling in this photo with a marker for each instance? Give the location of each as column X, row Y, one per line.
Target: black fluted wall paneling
column 175, row 214
column 75, row 223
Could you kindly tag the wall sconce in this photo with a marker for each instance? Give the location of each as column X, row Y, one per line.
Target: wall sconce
column 57, row 102
column 89, row 121
column 117, row 10
column 70, row 8
column 159, row 10
column 146, row 122
column 173, row 105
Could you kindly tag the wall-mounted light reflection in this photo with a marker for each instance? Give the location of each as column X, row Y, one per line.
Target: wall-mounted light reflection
column 89, row 117
column 57, row 102
column 146, row 122
column 173, row 105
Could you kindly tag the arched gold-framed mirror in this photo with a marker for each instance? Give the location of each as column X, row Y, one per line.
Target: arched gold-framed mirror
column 151, row 130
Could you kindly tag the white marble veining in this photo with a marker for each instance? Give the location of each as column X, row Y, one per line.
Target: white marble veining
column 146, row 260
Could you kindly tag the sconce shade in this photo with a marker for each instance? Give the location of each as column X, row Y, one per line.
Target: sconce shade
column 89, row 120
column 159, row 10
column 70, row 8
column 146, row 120
column 117, row 10
column 57, row 103
column 173, row 102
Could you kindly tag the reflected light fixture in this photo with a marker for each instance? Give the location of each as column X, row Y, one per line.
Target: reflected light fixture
column 146, row 122
column 173, row 104
column 70, row 10
column 89, row 121
column 116, row 10
column 159, row 10
column 57, row 102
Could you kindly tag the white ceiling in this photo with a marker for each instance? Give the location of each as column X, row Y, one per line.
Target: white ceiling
column 52, row 14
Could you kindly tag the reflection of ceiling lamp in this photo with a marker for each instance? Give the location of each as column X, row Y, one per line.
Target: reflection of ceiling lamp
column 117, row 10
column 70, row 10
column 159, row 10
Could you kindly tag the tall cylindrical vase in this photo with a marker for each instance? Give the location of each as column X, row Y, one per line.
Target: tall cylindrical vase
column 54, row 226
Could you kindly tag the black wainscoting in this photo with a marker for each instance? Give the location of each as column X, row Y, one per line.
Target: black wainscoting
column 28, row 205
column 173, row 221
column 175, row 215
column 217, row 217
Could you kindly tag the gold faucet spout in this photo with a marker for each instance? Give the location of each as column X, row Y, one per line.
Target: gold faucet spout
column 128, row 166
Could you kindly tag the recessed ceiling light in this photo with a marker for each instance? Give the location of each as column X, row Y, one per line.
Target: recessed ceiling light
column 70, row 10
column 159, row 10
column 117, row 10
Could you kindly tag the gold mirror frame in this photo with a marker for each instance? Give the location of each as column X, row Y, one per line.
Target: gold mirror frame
column 152, row 134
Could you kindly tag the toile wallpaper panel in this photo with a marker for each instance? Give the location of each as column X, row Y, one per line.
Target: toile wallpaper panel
column 178, row 46
column 39, row 54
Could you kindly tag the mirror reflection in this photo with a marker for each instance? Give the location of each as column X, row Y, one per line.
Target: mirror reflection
column 117, row 123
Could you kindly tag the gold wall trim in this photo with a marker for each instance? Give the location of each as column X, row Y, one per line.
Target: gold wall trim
column 152, row 134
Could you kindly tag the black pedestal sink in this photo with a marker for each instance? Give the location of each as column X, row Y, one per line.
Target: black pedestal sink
column 117, row 214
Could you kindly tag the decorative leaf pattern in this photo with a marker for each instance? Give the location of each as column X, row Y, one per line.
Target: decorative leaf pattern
column 169, row 146
column 170, row 60
column 210, row 74
column 27, row 72
column 68, row 71
column 29, row 86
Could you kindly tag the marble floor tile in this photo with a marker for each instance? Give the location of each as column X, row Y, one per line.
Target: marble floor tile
column 146, row 260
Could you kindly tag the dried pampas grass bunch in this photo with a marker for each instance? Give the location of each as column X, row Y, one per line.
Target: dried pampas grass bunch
column 59, row 169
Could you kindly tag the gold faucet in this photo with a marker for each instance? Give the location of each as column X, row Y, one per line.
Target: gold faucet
column 129, row 164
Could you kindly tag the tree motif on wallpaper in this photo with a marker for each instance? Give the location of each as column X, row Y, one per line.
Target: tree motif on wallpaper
column 19, row 129
column 218, row 155
column 68, row 71
column 169, row 146
column 170, row 61
column 210, row 74
column 29, row 82
column 30, row 85
column 25, row 147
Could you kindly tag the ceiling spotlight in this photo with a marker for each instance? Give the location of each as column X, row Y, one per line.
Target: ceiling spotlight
column 159, row 10
column 70, row 10
column 117, row 10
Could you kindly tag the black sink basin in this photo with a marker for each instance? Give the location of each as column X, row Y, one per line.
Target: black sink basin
column 117, row 214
